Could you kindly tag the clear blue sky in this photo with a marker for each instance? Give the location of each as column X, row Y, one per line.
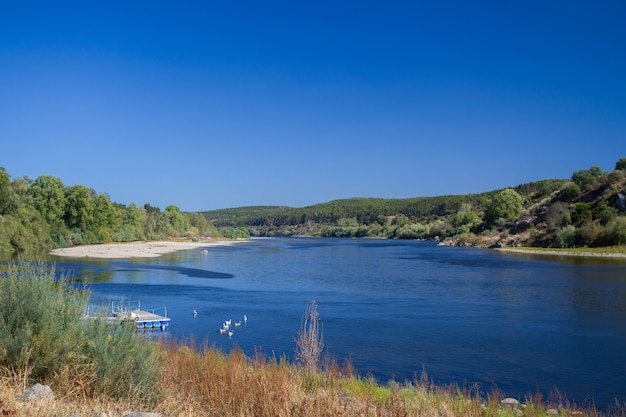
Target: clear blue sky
column 218, row 104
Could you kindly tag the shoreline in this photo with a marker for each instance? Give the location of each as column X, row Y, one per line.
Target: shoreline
column 562, row 253
column 142, row 249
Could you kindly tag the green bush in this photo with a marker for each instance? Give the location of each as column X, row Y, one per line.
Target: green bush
column 44, row 335
column 566, row 237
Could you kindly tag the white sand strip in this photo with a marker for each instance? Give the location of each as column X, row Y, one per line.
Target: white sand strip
column 148, row 249
column 563, row 253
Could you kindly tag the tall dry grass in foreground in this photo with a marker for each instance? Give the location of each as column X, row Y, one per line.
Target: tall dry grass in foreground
column 210, row 383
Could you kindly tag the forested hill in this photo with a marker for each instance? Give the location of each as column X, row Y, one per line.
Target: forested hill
column 585, row 210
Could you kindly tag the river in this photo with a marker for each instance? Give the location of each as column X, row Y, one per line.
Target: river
column 474, row 317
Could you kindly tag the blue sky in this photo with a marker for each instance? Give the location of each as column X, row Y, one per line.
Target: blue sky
column 218, row 104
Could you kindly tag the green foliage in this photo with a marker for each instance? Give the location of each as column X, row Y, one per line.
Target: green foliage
column 30, row 219
column 465, row 219
column 49, row 198
column 238, row 233
column 569, row 193
column 580, row 212
column 44, row 334
column 5, row 192
column 616, row 232
column 506, row 205
column 566, row 238
column 79, row 211
column 616, row 176
column 621, row 164
column 604, row 213
column 587, row 178
column 175, row 223
column 37, row 316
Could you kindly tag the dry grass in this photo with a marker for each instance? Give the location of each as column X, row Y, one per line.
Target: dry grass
column 211, row 383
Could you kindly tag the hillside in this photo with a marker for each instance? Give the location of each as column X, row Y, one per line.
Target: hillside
column 585, row 210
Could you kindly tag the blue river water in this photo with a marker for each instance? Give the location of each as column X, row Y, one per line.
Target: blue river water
column 472, row 317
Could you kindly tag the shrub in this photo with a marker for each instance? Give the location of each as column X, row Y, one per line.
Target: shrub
column 580, row 212
column 616, row 233
column 566, row 238
column 569, row 193
column 505, row 205
column 45, row 336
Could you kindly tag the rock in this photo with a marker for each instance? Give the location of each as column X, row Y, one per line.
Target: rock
column 509, row 401
column 37, row 392
column 552, row 411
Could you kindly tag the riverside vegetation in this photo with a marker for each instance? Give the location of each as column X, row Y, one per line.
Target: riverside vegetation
column 95, row 367
column 587, row 210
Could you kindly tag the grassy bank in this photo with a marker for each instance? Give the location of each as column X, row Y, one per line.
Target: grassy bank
column 95, row 368
column 609, row 251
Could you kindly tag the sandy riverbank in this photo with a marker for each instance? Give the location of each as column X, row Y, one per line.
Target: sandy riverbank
column 147, row 249
column 564, row 253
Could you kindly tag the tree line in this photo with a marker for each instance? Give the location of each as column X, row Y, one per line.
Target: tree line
column 42, row 214
column 584, row 210
column 587, row 209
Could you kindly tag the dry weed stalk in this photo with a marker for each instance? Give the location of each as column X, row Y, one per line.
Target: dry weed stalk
column 310, row 340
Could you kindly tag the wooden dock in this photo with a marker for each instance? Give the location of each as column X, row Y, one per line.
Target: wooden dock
column 143, row 319
column 148, row 320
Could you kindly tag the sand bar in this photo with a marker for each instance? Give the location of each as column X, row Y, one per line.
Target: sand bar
column 145, row 249
column 564, row 253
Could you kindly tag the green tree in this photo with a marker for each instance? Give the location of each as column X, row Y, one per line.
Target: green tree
column 49, row 198
column 79, row 208
column 569, row 193
column 105, row 217
column 5, row 191
column 505, row 205
column 134, row 222
column 465, row 219
column 175, row 218
column 621, row 164
column 605, row 213
column 24, row 226
column 586, row 178
column 580, row 212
